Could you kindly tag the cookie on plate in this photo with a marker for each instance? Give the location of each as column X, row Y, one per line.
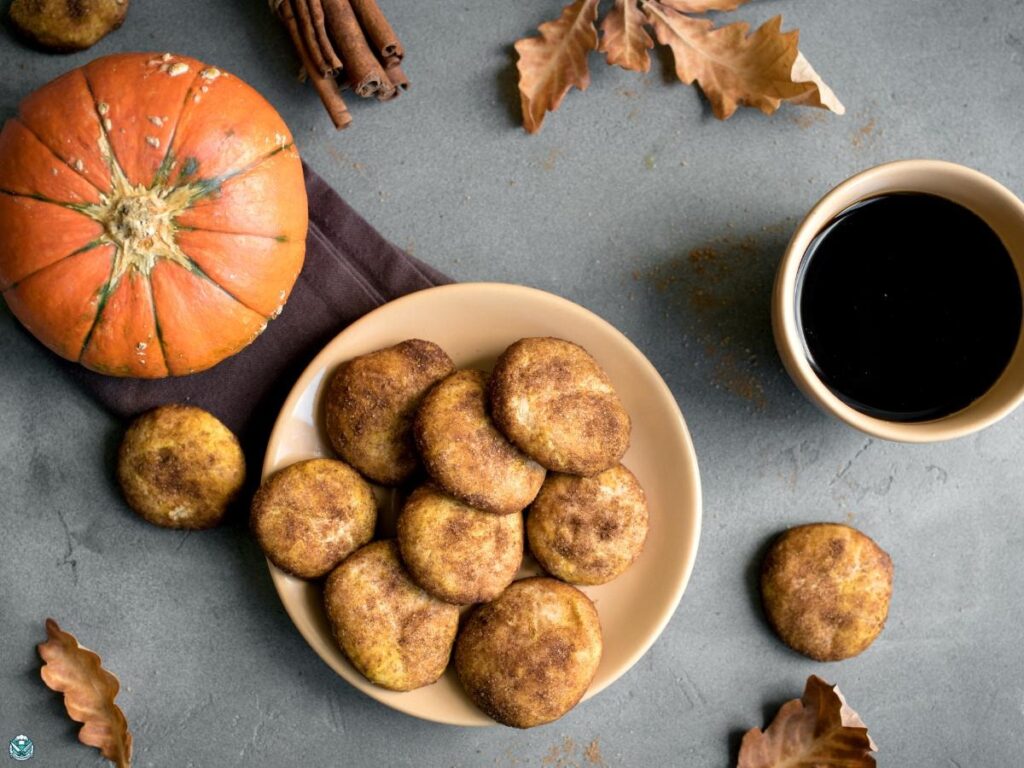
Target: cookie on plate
column 553, row 400
column 392, row 631
column 464, row 452
column 588, row 530
column 528, row 657
column 826, row 590
column 311, row 515
column 179, row 467
column 456, row 552
column 370, row 403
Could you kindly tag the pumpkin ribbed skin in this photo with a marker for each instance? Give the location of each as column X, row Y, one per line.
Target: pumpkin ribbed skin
column 153, row 215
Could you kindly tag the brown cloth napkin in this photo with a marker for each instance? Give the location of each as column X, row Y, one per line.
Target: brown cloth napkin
column 349, row 270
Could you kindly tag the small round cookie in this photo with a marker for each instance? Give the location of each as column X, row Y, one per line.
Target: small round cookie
column 826, row 590
column 392, row 631
column 65, row 26
column 528, row 657
column 311, row 515
column 552, row 399
column 466, row 455
column 179, row 467
column 456, row 552
column 588, row 530
column 370, row 403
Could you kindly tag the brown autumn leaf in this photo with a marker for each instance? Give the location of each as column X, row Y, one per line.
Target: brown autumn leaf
column 733, row 68
column 551, row 64
column 822, row 96
column 89, row 691
column 819, row 730
column 624, row 37
column 703, row 6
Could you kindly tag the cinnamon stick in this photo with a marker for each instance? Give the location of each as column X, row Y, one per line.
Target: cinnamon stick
column 305, row 23
column 396, row 75
column 326, row 87
column 364, row 73
column 331, row 62
column 378, row 30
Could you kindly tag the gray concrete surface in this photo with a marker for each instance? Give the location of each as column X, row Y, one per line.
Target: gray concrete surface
column 605, row 207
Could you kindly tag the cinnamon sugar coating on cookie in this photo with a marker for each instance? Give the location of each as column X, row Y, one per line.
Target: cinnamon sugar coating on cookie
column 528, row 657
column 553, row 400
column 392, row 631
column 826, row 590
column 457, row 552
column 465, row 453
column 370, row 403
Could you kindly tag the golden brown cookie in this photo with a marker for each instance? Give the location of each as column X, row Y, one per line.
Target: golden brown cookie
column 179, row 467
column 311, row 515
column 392, row 631
column 464, row 452
column 456, row 552
column 552, row 399
column 588, row 530
column 528, row 657
column 826, row 590
column 370, row 404
column 63, row 26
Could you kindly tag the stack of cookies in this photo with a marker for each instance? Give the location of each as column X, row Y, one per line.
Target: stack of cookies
column 543, row 433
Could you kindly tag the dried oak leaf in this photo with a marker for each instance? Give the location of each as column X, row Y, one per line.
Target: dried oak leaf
column 703, row 6
column 551, row 64
column 732, row 68
column 819, row 730
column 822, row 96
column 624, row 37
column 89, row 691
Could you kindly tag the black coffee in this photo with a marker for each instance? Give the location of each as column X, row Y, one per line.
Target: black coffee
column 909, row 306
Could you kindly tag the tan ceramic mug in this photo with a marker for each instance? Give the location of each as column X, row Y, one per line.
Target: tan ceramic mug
column 994, row 203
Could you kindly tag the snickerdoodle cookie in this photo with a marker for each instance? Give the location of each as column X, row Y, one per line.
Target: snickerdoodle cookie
column 456, row 552
column 553, row 400
column 180, row 467
column 311, row 515
column 392, row 631
column 465, row 453
column 528, row 657
column 370, row 403
column 588, row 530
column 826, row 590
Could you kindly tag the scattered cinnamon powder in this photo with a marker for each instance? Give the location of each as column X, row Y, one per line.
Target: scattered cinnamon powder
column 863, row 134
column 548, row 164
column 731, row 373
column 561, row 755
column 343, row 159
column 567, row 754
column 804, row 119
column 712, row 282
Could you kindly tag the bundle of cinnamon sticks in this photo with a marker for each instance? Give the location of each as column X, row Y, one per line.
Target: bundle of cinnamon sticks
column 345, row 44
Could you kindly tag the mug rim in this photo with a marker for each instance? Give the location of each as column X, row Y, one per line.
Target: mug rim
column 789, row 341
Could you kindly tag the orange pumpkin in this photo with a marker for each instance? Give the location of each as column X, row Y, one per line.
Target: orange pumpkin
column 152, row 215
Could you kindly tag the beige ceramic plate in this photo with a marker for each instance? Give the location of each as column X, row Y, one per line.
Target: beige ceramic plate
column 474, row 322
